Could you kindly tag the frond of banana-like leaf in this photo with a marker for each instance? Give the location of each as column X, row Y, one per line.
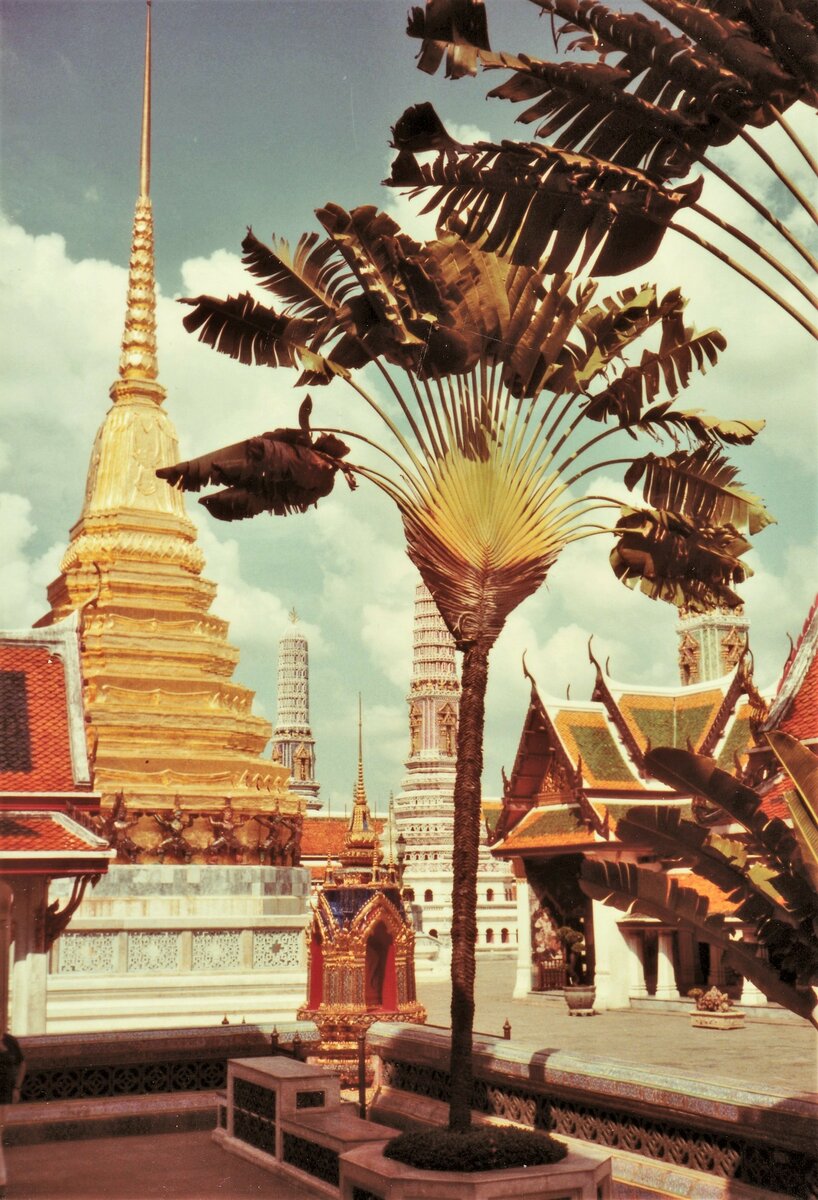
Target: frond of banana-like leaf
column 699, row 425
column 700, row 776
column 280, row 472
column 671, row 558
column 654, row 894
column 721, row 860
column 311, row 282
column 700, row 485
column 537, row 204
column 455, row 28
column 250, row 332
column 637, row 386
column 802, row 767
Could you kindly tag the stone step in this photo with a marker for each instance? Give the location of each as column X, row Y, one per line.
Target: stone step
column 109, row 1116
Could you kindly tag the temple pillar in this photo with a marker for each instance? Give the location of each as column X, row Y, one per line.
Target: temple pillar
column 687, row 949
column 611, row 957
column 666, row 988
column 29, row 968
column 524, row 977
column 716, row 975
column 750, row 994
column 637, row 990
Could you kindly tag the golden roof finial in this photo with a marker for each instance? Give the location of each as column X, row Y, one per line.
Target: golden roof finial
column 293, row 615
column 138, row 358
column 145, row 149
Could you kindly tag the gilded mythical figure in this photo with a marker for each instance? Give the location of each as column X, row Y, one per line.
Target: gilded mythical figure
column 225, row 825
column 175, row 842
column 115, row 828
column 282, row 845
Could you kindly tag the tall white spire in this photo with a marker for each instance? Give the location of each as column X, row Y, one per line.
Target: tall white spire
column 293, row 743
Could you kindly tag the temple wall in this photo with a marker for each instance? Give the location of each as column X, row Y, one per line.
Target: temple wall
column 164, row 947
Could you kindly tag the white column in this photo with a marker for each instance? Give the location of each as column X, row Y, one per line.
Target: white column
column 634, row 940
column 666, row 988
column 29, row 971
column 715, row 975
column 523, row 980
column 750, row 994
column 5, row 939
column 611, row 959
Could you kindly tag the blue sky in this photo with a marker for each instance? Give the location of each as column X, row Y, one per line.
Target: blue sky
column 262, row 112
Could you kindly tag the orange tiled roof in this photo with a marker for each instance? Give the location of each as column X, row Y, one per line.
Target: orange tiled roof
column 35, row 750
column 549, row 826
column 44, row 834
column 718, row 900
column 795, row 707
column 773, row 801
column 322, row 836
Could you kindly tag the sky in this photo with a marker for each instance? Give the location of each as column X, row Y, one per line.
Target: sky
column 263, row 111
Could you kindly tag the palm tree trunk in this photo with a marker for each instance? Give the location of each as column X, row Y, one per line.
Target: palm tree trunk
column 467, row 819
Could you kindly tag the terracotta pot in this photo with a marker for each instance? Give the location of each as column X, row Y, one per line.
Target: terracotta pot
column 580, row 999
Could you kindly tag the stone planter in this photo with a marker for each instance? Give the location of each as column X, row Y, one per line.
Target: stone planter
column 580, row 999
column 730, row 1018
column 585, row 1176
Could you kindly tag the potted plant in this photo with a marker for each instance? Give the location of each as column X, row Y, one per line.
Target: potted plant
column 714, row 1010
column 579, row 993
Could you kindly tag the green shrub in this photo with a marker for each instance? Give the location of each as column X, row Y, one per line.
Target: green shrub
column 486, row 1149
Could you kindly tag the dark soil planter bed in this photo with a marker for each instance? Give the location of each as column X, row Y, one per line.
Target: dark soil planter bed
column 488, row 1163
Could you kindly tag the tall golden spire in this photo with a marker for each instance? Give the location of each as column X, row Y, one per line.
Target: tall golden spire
column 138, row 357
column 145, row 148
column 137, row 436
column 361, row 839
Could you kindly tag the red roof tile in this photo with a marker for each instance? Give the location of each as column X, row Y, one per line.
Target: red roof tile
column 35, row 750
column 41, row 834
column 321, row 836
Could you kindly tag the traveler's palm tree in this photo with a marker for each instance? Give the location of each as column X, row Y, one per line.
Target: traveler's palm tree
column 505, row 387
column 622, row 135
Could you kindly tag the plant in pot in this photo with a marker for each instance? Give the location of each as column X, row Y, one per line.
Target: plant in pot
column 579, row 993
column 714, row 1010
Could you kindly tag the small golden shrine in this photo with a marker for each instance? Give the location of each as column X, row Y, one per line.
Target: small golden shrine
column 361, row 943
column 175, row 748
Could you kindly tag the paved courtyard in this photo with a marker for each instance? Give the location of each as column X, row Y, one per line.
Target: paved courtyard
column 781, row 1054
column 190, row 1166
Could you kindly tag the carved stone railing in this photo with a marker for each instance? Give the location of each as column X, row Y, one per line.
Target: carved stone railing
column 760, row 1137
column 179, row 946
column 87, row 1066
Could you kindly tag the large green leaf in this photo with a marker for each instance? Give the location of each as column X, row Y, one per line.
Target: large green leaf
column 802, row 767
column 670, row 557
column 537, row 205
column 654, row 894
column 723, row 861
column 699, row 484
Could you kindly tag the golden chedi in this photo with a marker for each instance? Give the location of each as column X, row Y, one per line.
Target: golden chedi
column 167, row 728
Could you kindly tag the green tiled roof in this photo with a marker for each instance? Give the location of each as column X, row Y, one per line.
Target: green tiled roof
column 672, row 726
column 617, row 811
column 553, row 821
column 600, row 753
column 736, row 742
column 491, row 815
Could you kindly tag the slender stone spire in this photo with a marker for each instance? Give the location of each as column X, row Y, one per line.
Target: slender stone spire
column 711, row 644
column 293, row 743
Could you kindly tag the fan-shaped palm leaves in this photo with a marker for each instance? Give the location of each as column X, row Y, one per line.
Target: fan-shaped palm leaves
column 624, row 130
column 501, row 397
